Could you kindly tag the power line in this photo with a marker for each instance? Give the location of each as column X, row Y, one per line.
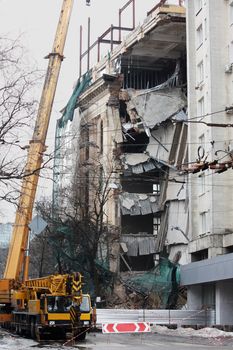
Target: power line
column 154, row 180
column 190, row 120
column 226, row 109
column 154, row 143
column 217, row 125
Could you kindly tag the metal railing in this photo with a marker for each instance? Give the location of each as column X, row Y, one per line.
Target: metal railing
column 166, row 2
column 160, row 317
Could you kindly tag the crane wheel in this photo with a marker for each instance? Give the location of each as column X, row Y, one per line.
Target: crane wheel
column 32, row 329
column 81, row 336
column 17, row 328
column 20, row 330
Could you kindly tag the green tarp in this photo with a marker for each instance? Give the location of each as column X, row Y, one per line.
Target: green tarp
column 68, row 113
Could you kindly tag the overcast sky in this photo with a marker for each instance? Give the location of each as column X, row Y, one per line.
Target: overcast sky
column 36, row 21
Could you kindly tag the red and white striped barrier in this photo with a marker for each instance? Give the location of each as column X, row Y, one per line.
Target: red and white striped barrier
column 132, row 327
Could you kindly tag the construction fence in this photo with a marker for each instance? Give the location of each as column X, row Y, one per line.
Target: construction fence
column 160, row 317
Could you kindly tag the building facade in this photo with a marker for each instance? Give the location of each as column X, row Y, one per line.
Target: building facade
column 130, row 138
column 210, row 96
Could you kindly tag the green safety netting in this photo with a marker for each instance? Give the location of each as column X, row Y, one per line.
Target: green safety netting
column 164, row 280
column 68, row 113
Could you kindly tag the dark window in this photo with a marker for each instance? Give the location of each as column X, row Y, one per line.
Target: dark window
column 137, row 224
column 200, row 255
column 101, row 137
column 58, row 304
column 156, row 225
column 84, row 143
column 137, row 263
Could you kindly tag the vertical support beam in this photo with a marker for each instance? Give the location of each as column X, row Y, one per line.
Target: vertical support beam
column 111, row 37
column 133, row 14
column 98, row 50
column 26, row 263
column 80, row 50
column 119, row 24
column 88, row 42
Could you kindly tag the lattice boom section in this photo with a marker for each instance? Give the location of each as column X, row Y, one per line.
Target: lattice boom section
column 57, row 284
column 53, row 284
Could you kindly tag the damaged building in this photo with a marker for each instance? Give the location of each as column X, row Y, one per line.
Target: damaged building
column 128, row 113
column 153, row 196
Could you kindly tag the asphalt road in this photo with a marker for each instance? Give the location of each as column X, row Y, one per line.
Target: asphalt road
column 153, row 341
column 99, row 341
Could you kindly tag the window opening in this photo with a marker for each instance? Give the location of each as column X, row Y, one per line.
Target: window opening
column 156, row 225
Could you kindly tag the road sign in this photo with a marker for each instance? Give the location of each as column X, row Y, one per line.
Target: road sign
column 37, row 224
column 132, row 327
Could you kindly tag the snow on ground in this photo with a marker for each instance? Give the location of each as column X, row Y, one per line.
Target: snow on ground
column 187, row 332
column 11, row 342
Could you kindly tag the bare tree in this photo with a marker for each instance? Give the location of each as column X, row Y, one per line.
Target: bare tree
column 46, row 248
column 42, row 257
column 17, row 110
column 79, row 232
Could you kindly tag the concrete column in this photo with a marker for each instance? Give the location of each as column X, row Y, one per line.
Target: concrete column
column 224, row 303
column 213, row 251
column 194, row 297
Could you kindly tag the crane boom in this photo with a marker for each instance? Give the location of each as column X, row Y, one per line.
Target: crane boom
column 54, row 306
column 18, row 245
column 57, row 284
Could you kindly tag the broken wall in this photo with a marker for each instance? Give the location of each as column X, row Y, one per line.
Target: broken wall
column 155, row 107
column 137, row 159
column 162, row 115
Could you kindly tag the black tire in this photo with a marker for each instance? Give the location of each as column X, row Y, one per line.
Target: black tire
column 32, row 329
column 81, row 336
column 17, row 328
column 37, row 333
column 21, row 332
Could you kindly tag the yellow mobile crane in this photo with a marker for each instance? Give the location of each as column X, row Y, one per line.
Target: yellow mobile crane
column 52, row 307
column 26, row 305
